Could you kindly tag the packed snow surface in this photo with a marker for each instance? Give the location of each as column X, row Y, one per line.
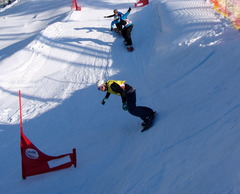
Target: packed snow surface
column 186, row 66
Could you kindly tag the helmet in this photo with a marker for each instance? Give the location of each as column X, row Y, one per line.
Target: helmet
column 115, row 11
column 100, row 82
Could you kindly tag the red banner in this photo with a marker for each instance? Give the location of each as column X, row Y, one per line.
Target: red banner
column 36, row 162
column 141, row 3
column 75, row 5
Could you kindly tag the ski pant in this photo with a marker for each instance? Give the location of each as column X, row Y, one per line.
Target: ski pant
column 138, row 111
column 126, row 33
column 119, row 26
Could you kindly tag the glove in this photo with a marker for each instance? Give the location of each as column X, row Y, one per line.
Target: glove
column 111, row 28
column 105, row 17
column 129, row 9
column 104, row 100
column 125, row 106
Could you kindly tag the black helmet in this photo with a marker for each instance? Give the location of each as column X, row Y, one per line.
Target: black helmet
column 115, row 11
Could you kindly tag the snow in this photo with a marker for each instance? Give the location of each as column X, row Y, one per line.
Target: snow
column 185, row 66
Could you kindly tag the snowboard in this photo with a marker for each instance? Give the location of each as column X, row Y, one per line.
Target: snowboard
column 150, row 124
column 130, row 49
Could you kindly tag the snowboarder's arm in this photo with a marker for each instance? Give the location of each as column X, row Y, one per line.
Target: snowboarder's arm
column 108, row 16
column 107, row 95
column 113, row 23
column 116, row 88
column 105, row 98
column 126, row 14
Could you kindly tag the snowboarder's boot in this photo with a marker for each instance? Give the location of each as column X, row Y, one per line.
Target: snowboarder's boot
column 148, row 119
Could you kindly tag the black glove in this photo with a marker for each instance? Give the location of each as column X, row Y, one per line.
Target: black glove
column 129, row 9
column 105, row 17
column 104, row 100
column 125, row 106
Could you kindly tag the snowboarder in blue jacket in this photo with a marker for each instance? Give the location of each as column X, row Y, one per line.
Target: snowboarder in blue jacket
column 116, row 14
column 127, row 29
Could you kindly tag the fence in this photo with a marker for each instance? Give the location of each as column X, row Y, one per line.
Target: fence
column 230, row 9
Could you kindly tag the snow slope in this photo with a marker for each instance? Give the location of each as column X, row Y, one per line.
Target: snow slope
column 185, row 66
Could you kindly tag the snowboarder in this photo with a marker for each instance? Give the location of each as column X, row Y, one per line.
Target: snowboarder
column 127, row 29
column 128, row 95
column 116, row 14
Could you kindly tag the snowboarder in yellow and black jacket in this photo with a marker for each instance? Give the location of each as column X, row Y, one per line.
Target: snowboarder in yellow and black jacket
column 128, row 95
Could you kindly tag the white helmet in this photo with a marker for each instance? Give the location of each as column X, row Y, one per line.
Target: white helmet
column 100, row 82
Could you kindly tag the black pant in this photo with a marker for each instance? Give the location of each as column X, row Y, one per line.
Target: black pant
column 119, row 26
column 126, row 33
column 138, row 111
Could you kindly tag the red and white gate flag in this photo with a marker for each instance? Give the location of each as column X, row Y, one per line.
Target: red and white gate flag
column 75, row 5
column 36, row 162
column 141, row 3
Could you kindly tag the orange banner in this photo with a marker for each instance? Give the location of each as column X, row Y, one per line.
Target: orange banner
column 230, row 9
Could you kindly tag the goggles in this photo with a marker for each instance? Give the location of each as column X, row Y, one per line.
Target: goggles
column 100, row 87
